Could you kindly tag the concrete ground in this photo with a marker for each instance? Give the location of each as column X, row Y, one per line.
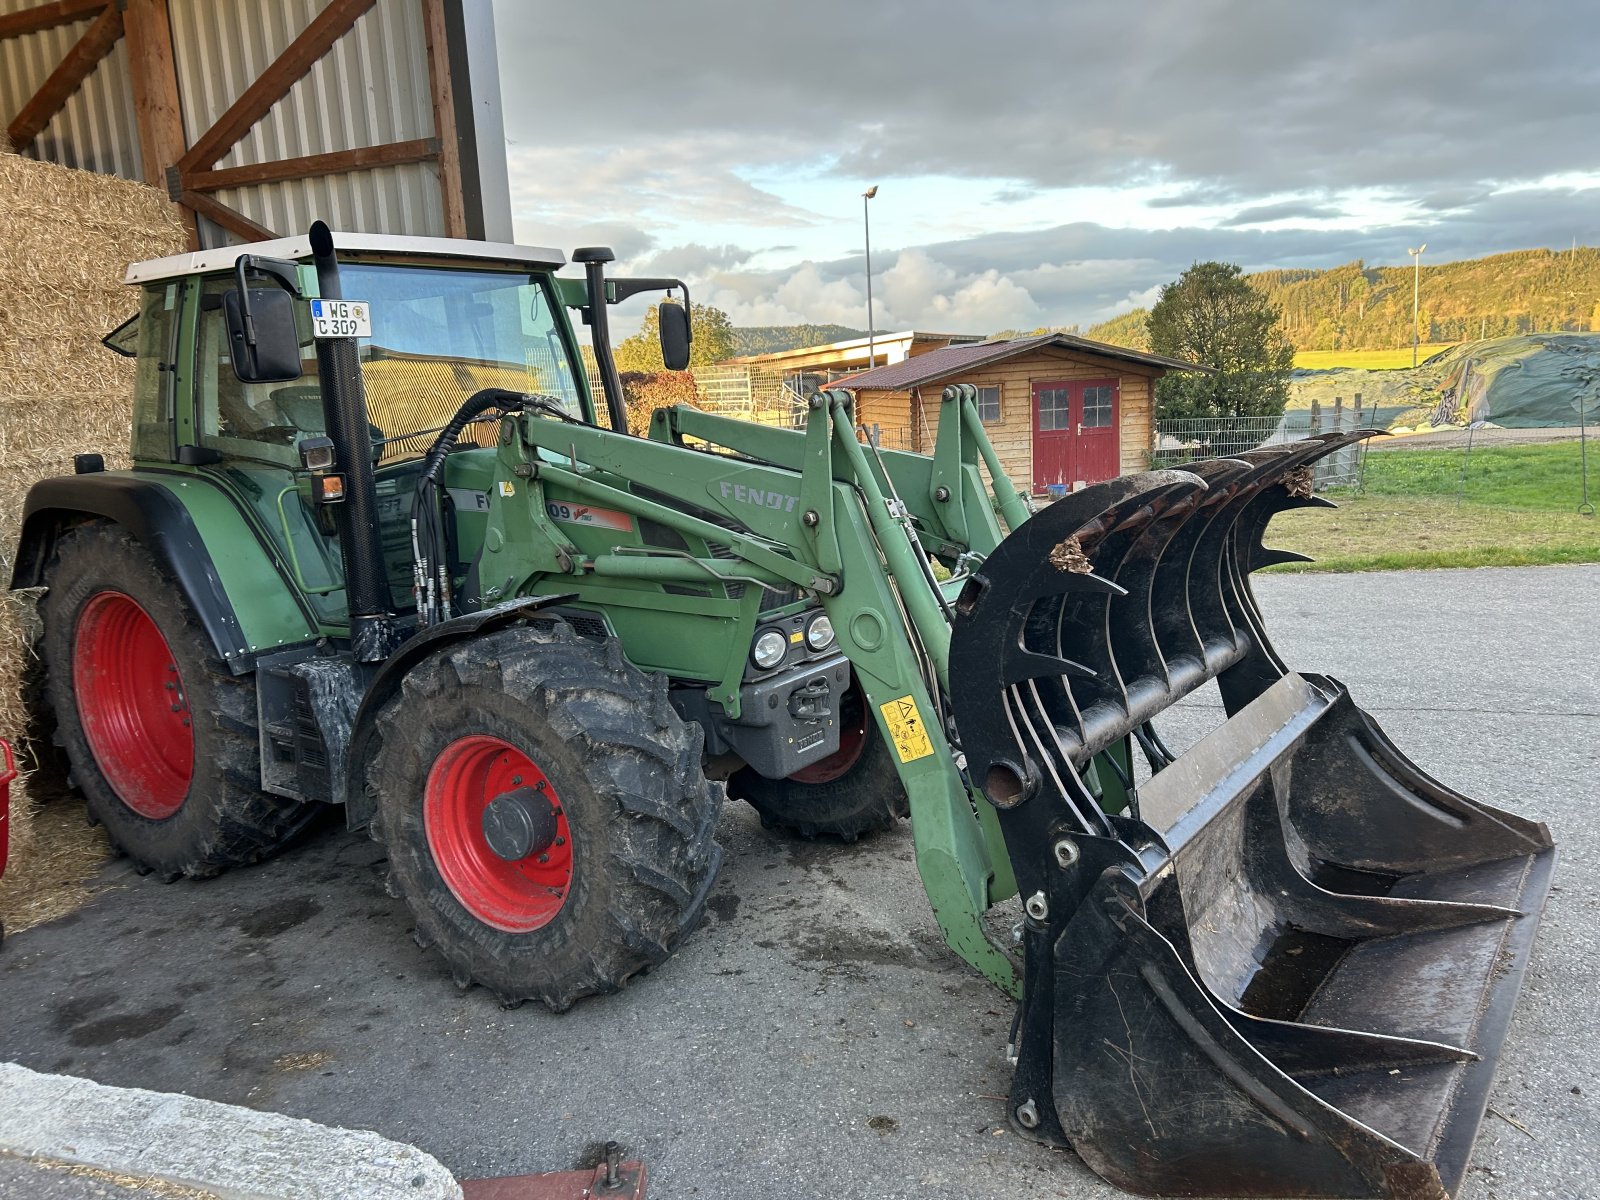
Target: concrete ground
column 815, row 1038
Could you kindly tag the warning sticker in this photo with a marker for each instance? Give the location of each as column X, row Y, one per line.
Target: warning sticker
column 585, row 514
column 905, row 729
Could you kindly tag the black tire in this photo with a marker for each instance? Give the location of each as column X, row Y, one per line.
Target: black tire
column 863, row 797
column 625, row 773
column 221, row 818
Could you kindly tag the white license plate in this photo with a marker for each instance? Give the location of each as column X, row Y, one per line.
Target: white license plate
column 341, row 318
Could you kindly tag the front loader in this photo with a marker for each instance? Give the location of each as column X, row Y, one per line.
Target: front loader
column 378, row 550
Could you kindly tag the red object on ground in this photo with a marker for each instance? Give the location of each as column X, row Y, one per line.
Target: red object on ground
column 8, row 772
column 561, row 1185
column 131, row 700
column 519, row 896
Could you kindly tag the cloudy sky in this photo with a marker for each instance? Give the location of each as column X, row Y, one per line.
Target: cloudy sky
column 1041, row 162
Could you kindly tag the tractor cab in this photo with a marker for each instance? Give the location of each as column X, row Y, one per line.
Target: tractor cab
column 455, row 318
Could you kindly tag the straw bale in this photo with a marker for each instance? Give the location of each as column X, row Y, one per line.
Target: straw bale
column 66, row 237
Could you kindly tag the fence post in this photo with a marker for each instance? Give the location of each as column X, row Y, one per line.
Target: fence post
column 1362, row 446
column 1316, row 417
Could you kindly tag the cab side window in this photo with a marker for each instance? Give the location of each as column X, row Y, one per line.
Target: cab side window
column 152, row 380
column 251, row 420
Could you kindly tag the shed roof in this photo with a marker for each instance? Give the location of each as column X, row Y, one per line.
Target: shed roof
column 907, row 336
column 953, row 360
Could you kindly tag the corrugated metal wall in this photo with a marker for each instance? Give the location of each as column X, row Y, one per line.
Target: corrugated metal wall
column 95, row 131
column 371, row 88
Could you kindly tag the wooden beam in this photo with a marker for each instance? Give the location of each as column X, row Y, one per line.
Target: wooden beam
column 154, row 77
column 331, row 24
column 55, row 91
column 47, row 16
column 444, row 119
column 156, row 105
column 390, row 154
column 234, row 221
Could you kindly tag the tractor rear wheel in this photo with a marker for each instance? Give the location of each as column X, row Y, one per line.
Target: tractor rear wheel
column 545, row 812
column 853, row 791
column 161, row 738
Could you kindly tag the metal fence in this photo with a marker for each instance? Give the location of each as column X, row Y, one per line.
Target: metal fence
column 1179, row 442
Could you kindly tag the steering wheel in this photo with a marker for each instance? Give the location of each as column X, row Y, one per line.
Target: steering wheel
column 286, row 435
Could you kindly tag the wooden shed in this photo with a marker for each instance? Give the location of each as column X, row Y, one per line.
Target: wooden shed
column 1061, row 410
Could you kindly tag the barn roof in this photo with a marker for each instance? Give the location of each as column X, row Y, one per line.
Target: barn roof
column 953, row 360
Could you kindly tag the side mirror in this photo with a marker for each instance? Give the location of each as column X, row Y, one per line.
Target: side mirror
column 262, row 340
column 673, row 320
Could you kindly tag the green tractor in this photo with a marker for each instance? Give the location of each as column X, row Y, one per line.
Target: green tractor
column 380, row 549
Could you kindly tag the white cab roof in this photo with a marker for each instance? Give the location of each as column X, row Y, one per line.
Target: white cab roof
column 353, row 245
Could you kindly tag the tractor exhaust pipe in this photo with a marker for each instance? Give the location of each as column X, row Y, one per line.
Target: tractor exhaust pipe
column 344, row 408
column 594, row 260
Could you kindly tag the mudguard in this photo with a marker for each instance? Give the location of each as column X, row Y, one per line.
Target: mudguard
column 386, row 681
column 162, row 522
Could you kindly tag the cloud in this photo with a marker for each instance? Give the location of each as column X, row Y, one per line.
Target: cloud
column 710, row 139
column 1083, row 272
column 1283, row 210
column 653, row 184
column 1219, row 95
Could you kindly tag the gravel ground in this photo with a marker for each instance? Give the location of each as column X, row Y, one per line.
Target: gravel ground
column 815, row 1037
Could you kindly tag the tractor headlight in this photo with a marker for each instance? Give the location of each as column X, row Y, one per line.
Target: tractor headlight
column 819, row 634
column 769, row 649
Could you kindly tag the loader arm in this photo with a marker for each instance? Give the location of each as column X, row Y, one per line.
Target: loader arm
column 801, row 508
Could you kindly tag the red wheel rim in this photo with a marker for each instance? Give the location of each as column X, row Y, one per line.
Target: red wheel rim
column 852, row 741
column 516, row 897
column 133, row 706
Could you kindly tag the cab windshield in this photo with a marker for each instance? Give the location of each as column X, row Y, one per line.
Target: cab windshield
column 438, row 335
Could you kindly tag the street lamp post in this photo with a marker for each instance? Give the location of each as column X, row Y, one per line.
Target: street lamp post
column 866, row 227
column 1416, row 296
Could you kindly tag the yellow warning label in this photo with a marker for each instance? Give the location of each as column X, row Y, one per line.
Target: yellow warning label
column 906, row 730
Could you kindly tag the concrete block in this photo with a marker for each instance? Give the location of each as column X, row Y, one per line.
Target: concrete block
column 237, row 1153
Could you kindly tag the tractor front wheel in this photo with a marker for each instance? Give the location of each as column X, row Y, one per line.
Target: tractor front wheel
column 545, row 812
column 853, row 791
column 161, row 737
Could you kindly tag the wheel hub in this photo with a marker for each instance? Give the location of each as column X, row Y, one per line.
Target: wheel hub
column 498, row 833
column 519, row 823
column 131, row 700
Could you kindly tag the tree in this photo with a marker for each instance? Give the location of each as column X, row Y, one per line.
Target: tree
column 713, row 341
column 1211, row 316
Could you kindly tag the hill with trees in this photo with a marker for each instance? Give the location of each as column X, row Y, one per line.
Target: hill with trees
column 1356, row 307
column 773, row 339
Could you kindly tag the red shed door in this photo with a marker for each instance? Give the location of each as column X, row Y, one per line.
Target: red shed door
column 1075, row 437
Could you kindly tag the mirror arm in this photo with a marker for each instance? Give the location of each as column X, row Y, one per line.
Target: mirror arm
column 285, row 274
column 240, row 266
column 619, row 290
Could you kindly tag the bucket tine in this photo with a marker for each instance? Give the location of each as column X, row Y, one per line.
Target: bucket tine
column 1290, row 973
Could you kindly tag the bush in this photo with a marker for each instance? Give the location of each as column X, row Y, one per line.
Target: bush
column 647, row 391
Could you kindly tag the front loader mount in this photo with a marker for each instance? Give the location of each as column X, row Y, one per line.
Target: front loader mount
column 1286, row 969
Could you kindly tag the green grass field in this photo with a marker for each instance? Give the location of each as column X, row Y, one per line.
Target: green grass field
column 1367, row 360
column 1518, row 508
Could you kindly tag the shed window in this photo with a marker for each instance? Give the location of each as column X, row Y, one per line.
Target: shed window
column 1096, row 407
column 1055, row 407
column 989, row 405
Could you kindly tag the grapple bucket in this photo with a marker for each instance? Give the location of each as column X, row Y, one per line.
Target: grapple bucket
column 1288, row 967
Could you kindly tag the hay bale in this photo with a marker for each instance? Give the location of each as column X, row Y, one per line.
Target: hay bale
column 66, row 237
